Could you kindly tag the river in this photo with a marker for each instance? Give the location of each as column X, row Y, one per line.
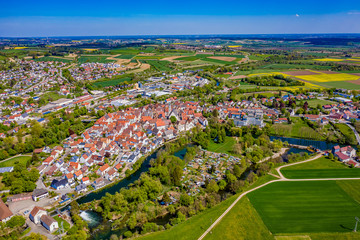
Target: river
column 322, row 145
column 121, row 184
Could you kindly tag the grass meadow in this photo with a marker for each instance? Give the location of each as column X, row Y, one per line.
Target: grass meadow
column 11, row 162
column 305, row 207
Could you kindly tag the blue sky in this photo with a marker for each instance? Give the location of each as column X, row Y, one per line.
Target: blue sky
column 92, row 18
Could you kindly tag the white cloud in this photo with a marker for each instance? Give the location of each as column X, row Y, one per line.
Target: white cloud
column 354, row 12
column 297, row 15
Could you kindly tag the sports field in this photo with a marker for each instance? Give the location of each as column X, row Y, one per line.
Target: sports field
column 305, row 207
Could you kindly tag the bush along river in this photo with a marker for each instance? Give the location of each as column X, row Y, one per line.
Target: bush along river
column 103, row 230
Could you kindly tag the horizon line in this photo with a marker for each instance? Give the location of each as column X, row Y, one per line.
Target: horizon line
column 170, row 35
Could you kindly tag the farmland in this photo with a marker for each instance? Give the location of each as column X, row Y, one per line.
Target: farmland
column 323, row 77
column 340, row 84
column 305, row 207
column 159, row 65
column 93, row 58
column 57, row 59
column 125, row 56
column 111, row 82
column 321, row 173
column 329, row 60
column 243, row 222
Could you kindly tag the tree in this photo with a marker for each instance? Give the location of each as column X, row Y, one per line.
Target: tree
column 222, row 184
column 173, row 119
column 166, row 198
column 186, row 200
column 212, row 187
column 15, row 221
column 237, row 148
column 237, row 171
column 34, row 158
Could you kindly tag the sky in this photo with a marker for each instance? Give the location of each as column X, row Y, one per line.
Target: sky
column 24, row 18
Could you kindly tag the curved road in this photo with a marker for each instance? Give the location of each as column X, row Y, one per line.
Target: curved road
column 282, row 178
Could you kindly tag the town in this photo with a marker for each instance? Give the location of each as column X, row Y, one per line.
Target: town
column 141, row 136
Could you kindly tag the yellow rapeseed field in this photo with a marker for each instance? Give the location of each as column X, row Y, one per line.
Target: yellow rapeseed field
column 329, row 60
column 323, row 77
column 90, row 49
column 19, row 48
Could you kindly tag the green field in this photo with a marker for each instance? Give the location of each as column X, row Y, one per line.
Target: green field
column 99, row 59
column 242, row 222
column 160, row 65
column 51, row 96
column 321, row 173
column 305, row 207
column 320, row 168
column 294, row 66
column 151, row 57
column 112, row 82
column 320, row 163
column 339, row 84
column 314, row 102
column 298, row 129
column 11, row 162
column 125, row 56
column 46, row 59
column 225, row 147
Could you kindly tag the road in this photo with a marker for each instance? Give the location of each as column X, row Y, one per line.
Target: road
column 281, row 178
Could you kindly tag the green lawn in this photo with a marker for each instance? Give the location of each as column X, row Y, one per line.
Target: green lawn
column 225, row 147
column 242, row 222
column 320, row 163
column 305, row 207
column 313, row 103
column 51, row 96
column 12, row 161
column 298, row 129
